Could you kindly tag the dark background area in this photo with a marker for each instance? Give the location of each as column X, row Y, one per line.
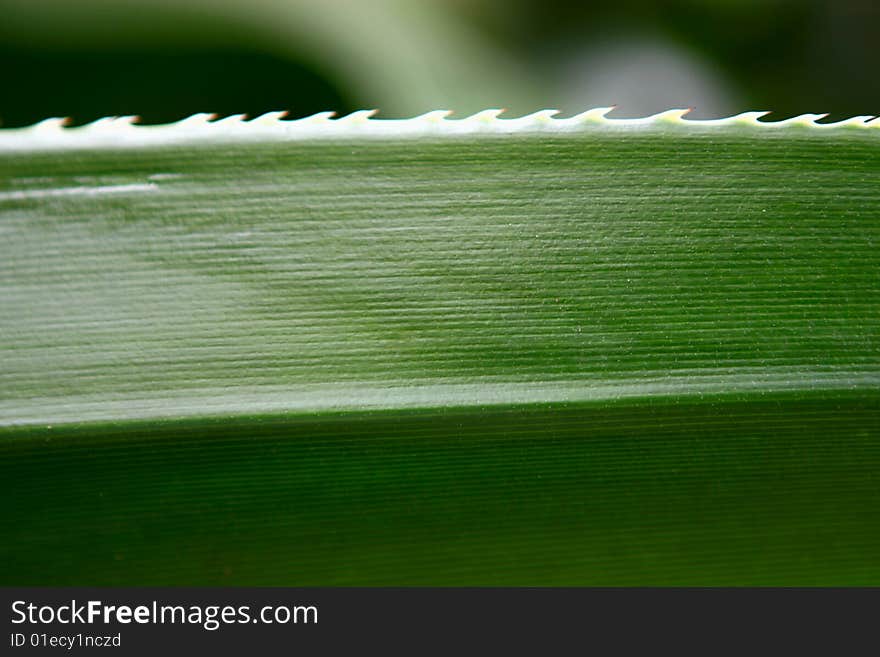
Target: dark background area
column 165, row 60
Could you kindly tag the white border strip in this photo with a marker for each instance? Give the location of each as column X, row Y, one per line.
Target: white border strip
column 122, row 132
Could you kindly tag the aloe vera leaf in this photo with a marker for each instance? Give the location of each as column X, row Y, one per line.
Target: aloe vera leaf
column 484, row 351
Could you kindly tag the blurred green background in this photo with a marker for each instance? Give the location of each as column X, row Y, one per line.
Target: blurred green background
column 166, row 59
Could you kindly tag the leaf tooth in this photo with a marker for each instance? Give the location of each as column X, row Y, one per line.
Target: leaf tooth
column 674, row 116
column 99, row 125
column 590, row 116
column 541, row 120
column 357, row 117
column 268, row 119
column 806, row 120
column 541, row 117
column 854, row 121
column 432, row 117
column 112, row 125
column 668, row 116
column 198, row 120
column 743, row 118
column 231, row 120
column 54, row 124
column 859, row 121
column 484, row 116
column 318, row 117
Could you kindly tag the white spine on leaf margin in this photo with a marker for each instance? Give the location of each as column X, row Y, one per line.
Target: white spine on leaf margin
column 120, row 132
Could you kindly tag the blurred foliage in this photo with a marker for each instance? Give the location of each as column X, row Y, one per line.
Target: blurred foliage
column 163, row 60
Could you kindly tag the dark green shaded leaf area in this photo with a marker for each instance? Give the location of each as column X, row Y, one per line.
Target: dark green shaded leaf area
column 623, row 356
column 777, row 491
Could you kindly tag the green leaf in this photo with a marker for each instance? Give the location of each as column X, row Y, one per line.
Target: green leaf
column 484, row 351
